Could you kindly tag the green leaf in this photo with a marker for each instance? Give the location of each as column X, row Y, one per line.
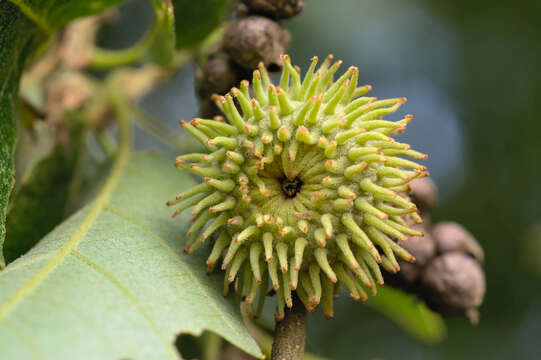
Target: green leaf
column 46, row 195
column 50, row 15
column 17, row 37
column 410, row 314
column 162, row 47
column 112, row 281
column 195, row 20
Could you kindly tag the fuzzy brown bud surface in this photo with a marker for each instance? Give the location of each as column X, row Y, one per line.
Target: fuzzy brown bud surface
column 422, row 248
column 454, row 283
column 424, row 193
column 451, row 236
column 256, row 39
column 218, row 76
column 278, row 9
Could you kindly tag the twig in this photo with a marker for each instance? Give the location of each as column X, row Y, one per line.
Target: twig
column 105, row 58
column 290, row 333
column 262, row 337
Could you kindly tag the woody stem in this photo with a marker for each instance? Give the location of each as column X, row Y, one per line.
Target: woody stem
column 290, row 333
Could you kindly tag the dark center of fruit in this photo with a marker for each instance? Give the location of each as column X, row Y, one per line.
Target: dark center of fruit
column 291, row 187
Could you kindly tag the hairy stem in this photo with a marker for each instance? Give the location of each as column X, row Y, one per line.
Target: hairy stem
column 290, row 333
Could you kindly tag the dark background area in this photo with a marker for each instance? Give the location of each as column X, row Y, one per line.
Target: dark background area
column 471, row 72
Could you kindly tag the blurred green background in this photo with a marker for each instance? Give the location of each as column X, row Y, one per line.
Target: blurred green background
column 472, row 73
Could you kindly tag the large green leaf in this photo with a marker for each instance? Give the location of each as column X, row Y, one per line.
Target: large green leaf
column 195, row 20
column 410, row 314
column 112, row 281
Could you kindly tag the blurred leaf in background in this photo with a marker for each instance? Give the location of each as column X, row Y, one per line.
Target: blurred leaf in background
column 197, row 19
column 530, row 250
column 410, row 314
column 161, row 50
column 50, row 15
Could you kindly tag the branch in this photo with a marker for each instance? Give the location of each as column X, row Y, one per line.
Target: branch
column 290, row 333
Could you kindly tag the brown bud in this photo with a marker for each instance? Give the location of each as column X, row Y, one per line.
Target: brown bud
column 424, row 193
column 408, row 275
column 422, row 248
column 454, row 283
column 278, row 9
column 256, row 39
column 219, row 75
column 240, row 10
column 450, row 236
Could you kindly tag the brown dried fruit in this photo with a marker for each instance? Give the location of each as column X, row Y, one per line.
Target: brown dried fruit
column 424, row 193
column 451, row 236
column 422, row 248
column 278, row 9
column 240, row 10
column 256, row 39
column 409, row 274
column 454, row 284
column 219, row 75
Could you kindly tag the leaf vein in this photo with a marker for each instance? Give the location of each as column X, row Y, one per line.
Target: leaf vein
column 89, row 323
column 20, row 264
column 25, row 339
column 133, row 221
column 128, row 294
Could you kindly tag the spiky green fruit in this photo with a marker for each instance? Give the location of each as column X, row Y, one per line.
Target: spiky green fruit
column 303, row 185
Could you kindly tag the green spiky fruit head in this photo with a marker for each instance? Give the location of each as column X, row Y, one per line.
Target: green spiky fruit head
column 305, row 188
